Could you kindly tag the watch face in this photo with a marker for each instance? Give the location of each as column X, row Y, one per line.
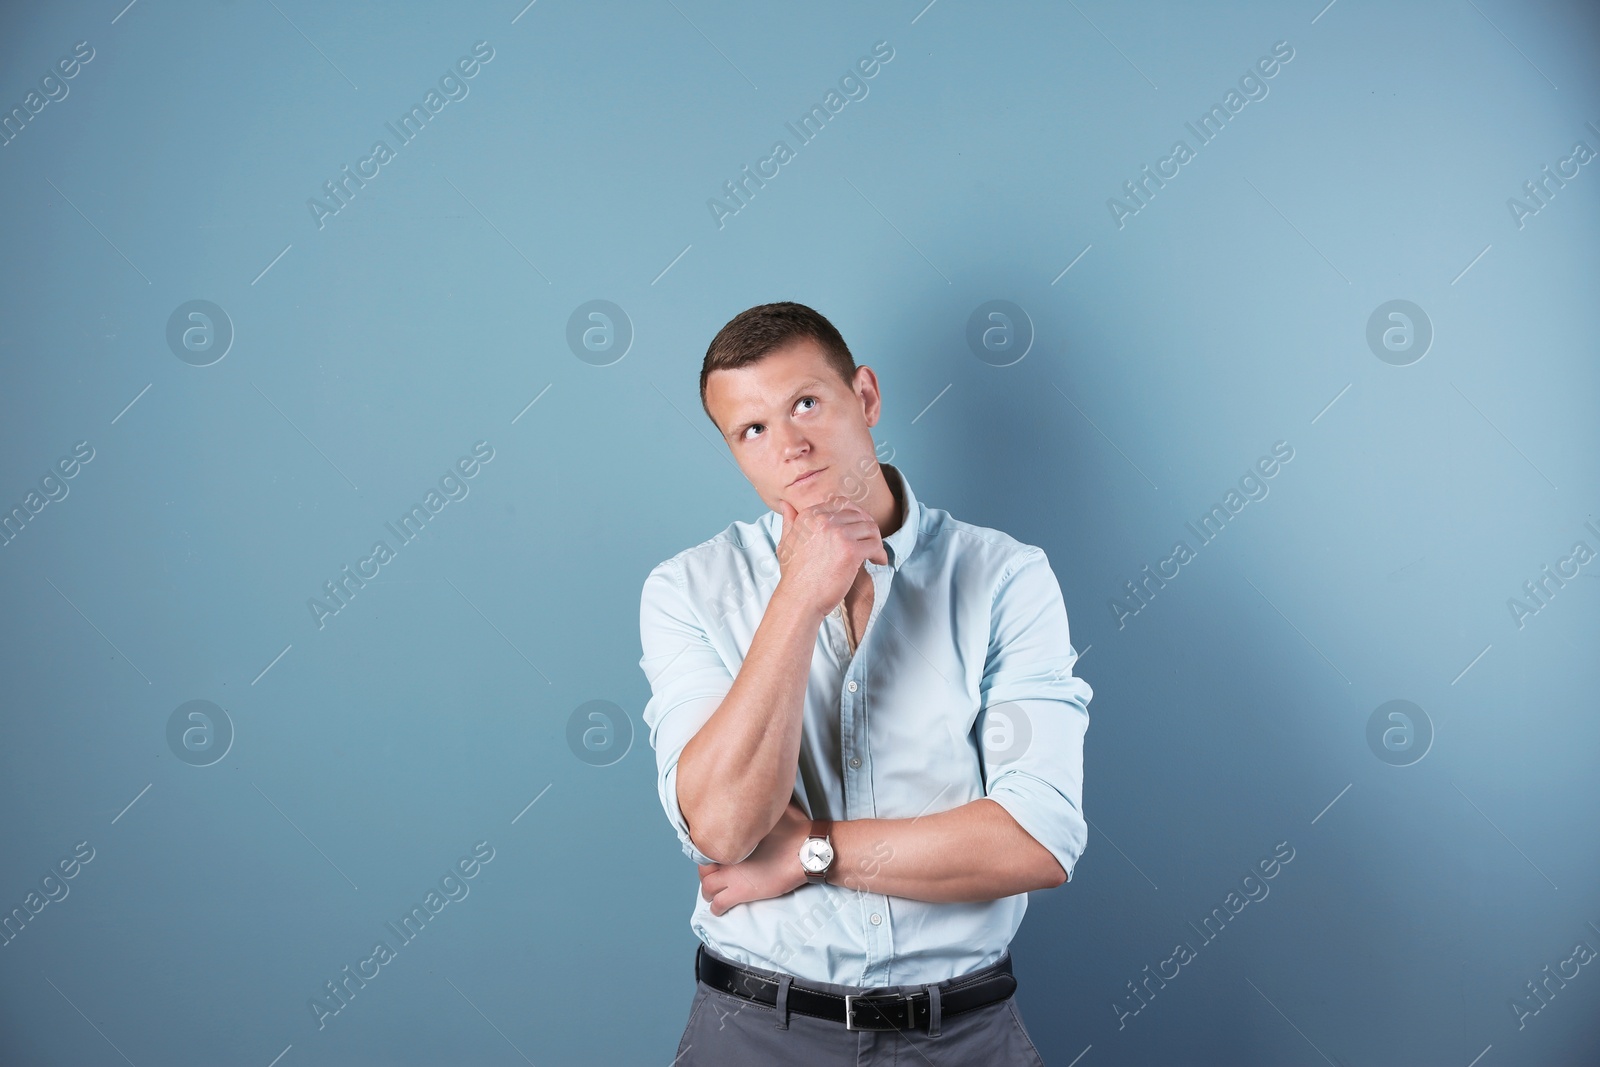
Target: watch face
column 816, row 854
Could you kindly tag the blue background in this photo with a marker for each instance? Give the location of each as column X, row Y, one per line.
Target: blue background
column 370, row 754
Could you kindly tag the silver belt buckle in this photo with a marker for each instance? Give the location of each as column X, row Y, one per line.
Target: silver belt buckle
column 850, row 1009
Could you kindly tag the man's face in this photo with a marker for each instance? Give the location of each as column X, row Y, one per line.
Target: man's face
column 790, row 414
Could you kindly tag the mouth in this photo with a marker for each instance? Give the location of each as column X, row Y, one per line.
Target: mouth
column 806, row 477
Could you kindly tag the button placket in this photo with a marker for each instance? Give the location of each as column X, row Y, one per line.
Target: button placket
column 879, row 933
column 853, row 732
column 878, row 939
column 849, row 716
column 833, row 627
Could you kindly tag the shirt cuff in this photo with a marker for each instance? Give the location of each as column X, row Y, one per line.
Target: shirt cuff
column 669, row 801
column 1048, row 816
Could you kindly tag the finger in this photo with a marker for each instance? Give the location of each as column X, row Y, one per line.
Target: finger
column 857, row 513
column 876, row 552
column 844, row 507
column 853, row 523
column 868, row 532
column 803, row 523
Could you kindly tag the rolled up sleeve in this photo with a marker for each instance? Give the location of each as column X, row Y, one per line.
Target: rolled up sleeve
column 1034, row 712
column 688, row 680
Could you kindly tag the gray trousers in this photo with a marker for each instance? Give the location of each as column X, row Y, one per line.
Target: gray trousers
column 729, row 1031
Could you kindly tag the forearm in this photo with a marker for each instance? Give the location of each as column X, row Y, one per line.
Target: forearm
column 736, row 775
column 971, row 853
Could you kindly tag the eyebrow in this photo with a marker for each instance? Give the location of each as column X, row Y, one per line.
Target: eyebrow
column 801, row 388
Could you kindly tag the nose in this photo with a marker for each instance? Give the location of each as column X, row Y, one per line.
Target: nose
column 793, row 442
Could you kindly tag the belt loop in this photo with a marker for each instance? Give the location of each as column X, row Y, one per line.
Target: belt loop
column 933, row 1010
column 783, row 1001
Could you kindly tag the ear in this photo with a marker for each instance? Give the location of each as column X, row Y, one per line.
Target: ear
column 871, row 398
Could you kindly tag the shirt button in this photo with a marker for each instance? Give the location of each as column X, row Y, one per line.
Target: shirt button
column 855, row 761
column 876, row 918
column 852, row 686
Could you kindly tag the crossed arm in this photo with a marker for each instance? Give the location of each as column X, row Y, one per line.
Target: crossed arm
column 969, row 853
column 735, row 782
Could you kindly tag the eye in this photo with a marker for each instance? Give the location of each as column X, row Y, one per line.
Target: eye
column 756, row 425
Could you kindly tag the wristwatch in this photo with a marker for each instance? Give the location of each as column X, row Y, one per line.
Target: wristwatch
column 816, row 852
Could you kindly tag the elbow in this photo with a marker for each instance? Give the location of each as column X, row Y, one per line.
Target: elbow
column 1048, row 872
column 711, row 828
column 705, row 837
column 1032, row 860
column 718, row 832
column 1048, row 876
column 1055, row 874
column 722, row 848
column 713, row 837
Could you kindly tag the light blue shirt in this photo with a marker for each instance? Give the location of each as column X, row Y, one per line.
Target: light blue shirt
column 962, row 688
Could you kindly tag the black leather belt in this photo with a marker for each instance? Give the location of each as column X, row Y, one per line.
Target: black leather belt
column 861, row 1011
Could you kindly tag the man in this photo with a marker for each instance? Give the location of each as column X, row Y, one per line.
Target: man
column 867, row 733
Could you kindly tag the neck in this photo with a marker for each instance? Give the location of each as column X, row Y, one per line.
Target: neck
column 887, row 507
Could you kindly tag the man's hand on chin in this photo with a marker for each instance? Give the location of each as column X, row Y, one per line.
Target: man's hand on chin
column 772, row 870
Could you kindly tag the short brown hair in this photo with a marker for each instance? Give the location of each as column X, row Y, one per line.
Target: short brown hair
column 756, row 332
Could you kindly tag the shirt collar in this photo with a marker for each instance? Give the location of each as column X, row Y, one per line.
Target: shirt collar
column 899, row 545
column 902, row 541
